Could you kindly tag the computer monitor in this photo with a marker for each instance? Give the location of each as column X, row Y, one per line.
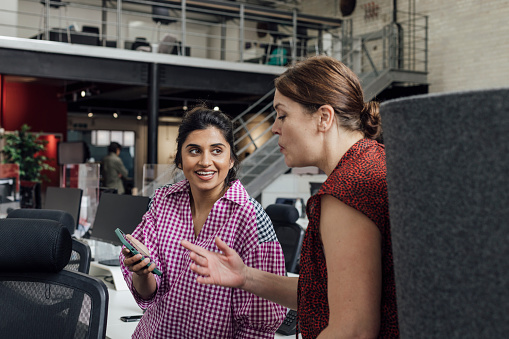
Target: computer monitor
column 117, row 211
column 72, row 152
column 64, row 199
column 7, row 190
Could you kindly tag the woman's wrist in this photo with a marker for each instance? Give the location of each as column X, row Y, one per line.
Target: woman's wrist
column 144, row 284
column 248, row 276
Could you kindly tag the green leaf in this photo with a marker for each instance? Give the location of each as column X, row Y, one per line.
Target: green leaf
column 24, row 148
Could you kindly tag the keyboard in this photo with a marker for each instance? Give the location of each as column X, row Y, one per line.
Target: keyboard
column 289, row 325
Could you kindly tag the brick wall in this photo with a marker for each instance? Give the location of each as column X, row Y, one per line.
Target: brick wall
column 468, row 43
column 468, row 39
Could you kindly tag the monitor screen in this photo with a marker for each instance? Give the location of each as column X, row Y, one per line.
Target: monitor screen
column 72, row 152
column 64, row 199
column 117, row 211
column 7, row 190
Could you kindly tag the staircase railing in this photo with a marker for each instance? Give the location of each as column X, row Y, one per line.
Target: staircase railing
column 404, row 47
column 254, row 133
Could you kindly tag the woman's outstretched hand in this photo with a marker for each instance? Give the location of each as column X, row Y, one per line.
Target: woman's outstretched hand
column 224, row 269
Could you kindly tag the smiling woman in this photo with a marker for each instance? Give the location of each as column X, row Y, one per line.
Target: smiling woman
column 205, row 152
column 209, row 203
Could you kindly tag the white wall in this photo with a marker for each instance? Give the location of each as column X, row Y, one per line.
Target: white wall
column 8, row 19
column 468, row 44
column 290, row 186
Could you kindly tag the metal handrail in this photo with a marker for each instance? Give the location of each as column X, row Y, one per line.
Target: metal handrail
column 404, row 47
column 194, row 20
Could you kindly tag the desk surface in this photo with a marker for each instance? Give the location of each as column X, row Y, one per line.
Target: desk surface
column 122, row 303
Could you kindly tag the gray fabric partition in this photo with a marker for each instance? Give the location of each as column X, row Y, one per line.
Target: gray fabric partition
column 447, row 177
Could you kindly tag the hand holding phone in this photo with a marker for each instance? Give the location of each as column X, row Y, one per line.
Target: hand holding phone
column 134, row 249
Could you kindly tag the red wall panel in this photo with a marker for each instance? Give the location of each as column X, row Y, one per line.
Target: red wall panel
column 33, row 104
column 38, row 106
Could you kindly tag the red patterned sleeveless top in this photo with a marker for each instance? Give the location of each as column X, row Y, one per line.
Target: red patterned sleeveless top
column 359, row 180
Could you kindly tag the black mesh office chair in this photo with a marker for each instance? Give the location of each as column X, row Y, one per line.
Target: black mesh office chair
column 80, row 255
column 40, row 299
column 289, row 233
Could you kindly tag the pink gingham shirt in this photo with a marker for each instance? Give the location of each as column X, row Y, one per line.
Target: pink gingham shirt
column 183, row 308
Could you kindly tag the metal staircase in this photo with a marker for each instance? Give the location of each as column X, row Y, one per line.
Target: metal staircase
column 396, row 55
column 265, row 163
column 262, row 167
column 401, row 62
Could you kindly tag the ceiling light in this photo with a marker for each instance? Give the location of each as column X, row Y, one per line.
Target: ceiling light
column 90, row 114
column 115, row 115
column 83, row 93
column 138, row 117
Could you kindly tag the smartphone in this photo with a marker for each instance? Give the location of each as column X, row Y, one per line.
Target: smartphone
column 134, row 250
column 130, row 318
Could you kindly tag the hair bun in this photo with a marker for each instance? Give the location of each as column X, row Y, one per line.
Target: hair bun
column 370, row 118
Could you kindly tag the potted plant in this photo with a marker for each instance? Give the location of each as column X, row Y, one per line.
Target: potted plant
column 25, row 149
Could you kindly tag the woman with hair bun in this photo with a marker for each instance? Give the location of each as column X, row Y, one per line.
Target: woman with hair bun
column 346, row 285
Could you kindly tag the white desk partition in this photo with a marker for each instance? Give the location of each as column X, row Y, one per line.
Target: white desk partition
column 101, row 271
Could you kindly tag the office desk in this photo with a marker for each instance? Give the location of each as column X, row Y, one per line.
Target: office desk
column 121, row 302
column 75, row 37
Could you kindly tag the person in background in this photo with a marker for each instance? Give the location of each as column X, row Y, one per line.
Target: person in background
column 210, row 202
column 113, row 168
column 345, row 287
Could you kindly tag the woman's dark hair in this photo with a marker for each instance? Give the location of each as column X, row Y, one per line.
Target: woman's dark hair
column 322, row 80
column 200, row 118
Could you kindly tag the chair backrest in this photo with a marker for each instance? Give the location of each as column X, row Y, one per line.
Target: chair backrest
column 289, row 233
column 42, row 299
column 65, row 199
column 169, row 45
column 81, row 254
column 141, row 44
column 161, row 14
column 90, row 29
column 80, row 257
column 278, row 54
column 447, row 181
